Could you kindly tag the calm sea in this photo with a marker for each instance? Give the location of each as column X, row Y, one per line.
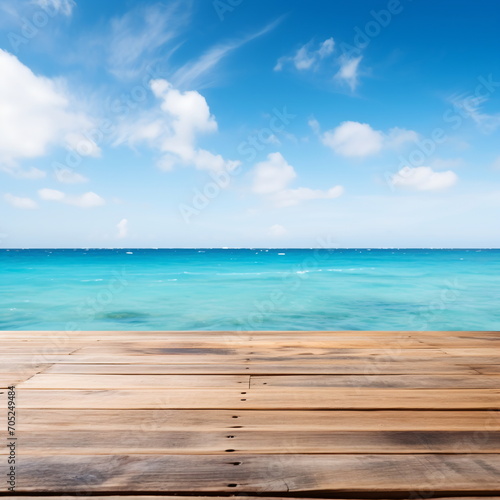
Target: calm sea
column 249, row 289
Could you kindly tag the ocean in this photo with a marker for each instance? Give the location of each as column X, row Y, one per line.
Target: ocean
column 249, row 289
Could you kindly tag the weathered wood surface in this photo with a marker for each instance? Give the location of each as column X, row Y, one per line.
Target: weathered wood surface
column 205, row 413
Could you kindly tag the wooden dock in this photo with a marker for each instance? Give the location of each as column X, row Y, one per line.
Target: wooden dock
column 281, row 414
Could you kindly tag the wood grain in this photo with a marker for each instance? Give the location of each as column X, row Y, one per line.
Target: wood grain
column 234, row 472
column 308, row 414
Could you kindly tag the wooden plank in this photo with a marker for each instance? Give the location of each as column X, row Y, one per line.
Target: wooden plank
column 208, row 441
column 282, row 398
column 422, row 360
column 102, row 421
column 319, row 412
column 388, row 381
column 262, row 368
column 80, row 381
column 275, row 352
column 8, row 379
column 234, row 472
column 143, row 382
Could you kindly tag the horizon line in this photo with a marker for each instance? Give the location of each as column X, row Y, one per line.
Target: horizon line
column 249, row 248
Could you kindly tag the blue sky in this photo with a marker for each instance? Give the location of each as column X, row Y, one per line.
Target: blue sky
column 243, row 123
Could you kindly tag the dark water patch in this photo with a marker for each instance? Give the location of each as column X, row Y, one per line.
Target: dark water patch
column 125, row 316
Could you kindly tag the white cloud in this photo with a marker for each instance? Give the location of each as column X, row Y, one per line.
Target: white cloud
column 396, row 137
column 277, row 231
column 69, row 176
column 424, row 179
column 18, row 202
column 122, row 227
column 200, row 72
column 314, row 124
column 326, row 48
column 289, row 197
column 472, row 106
column 319, row 60
column 84, row 146
column 174, row 129
column 86, row 200
column 272, row 177
column 354, row 139
column 349, row 71
column 36, row 113
column 442, row 163
column 64, row 7
column 136, row 37
column 496, row 163
column 31, row 173
column 306, row 56
column 51, row 194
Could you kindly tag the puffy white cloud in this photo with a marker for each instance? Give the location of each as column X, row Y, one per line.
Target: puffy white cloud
column 277, row 231
column 69, row 176
column 349, row 71
column 306, row 56
column 189, row 115
column 86, row 200
column 35, row 113
column 424, row 179
column 175, row 128
column 272, row 177
column 19, row 202
column 122, row 227
column 64, row 7
column 354, row 139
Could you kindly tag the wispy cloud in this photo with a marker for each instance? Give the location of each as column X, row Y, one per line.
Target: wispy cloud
column 199, row 73
column 69, row 176
column 64, row 7
column 86, row 200
column 307, row 56
column 136, row 37
column 20, row 202
column 320, row 60
column 349, row 71
column 471, row 106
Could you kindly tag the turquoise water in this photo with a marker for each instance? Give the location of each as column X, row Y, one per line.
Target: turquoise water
column 250, row 289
